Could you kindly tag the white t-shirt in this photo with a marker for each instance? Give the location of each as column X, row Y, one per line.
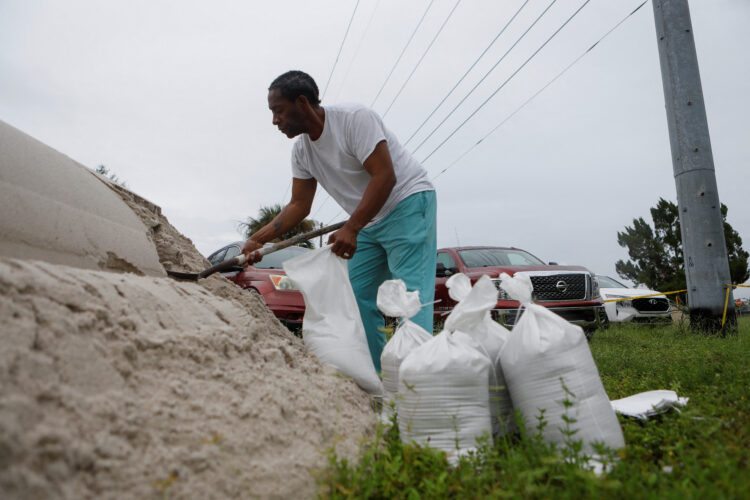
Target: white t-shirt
column 335, row 160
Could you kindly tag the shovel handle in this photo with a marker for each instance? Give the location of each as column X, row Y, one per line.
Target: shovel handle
column 300, row 238
column 240, row 259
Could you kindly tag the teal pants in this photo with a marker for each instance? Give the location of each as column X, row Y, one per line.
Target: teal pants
column 401, row 246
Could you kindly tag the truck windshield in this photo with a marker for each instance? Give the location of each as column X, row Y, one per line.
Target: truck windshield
column 487, row 257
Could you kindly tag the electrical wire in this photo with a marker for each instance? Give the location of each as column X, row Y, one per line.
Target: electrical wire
column 527, row 101
column 338, row 55
column 450, row 14
column 450, row 92
column 340, row 48
column 328, row 197
column 485, row 76
column 507, row 80
column 288, row 186
column 335, row 217
column 429, row 6
column 356, row 51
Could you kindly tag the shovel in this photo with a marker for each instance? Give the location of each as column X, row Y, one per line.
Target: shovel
column 240, row 259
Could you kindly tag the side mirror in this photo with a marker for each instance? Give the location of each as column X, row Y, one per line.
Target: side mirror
column 552, row 263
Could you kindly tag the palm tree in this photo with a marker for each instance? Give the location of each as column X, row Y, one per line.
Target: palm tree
column 266, row 215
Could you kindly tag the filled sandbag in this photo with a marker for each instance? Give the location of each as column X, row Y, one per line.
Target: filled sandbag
column 490, row 338
column 395, row 301
column 332, row 327
column 443, row 396
column 546, row 362
column 444, row 387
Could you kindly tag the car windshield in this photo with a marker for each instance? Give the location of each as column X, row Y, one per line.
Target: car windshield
column 486, row 257
column 607, row 282
column 276, row 259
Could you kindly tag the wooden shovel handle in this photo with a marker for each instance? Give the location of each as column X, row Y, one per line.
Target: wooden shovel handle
column 240, row 259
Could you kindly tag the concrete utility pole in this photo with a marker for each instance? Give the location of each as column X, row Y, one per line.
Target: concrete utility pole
column 705, row 252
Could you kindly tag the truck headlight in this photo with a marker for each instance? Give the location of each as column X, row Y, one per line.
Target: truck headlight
column 594, row 287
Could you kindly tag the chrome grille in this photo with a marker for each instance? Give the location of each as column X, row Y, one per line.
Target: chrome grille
column 559, row 287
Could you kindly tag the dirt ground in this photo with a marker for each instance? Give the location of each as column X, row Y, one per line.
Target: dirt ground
column 120, row 385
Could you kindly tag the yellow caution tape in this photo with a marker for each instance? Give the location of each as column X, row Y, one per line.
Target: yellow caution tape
column 726, row 301
column 645, row 296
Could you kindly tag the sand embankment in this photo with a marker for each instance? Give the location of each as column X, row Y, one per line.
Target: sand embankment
column 118, row 384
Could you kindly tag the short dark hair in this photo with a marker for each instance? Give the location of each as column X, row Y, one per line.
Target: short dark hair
column 293, row 84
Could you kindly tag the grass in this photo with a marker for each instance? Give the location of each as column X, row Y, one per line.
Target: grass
column 700, row 452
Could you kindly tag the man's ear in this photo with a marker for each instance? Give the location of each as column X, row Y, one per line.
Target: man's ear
column 302, row 101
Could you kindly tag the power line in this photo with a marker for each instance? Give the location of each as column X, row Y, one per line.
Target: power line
column 283, row 200
column 411, row 37
column 338, row 55
column 340, row 48
column 335, row 217
column 422, row 58
column 527, row 101
column 485, row 76
column 356, row 51
column 467, row 72
column 328, row 197
column 507, row 80
column 429, row 6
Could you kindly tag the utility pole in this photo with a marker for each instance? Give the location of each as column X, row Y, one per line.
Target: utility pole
column 701, row 226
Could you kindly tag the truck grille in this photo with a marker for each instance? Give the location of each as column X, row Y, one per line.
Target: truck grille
column 652, row 304
column 559, row 287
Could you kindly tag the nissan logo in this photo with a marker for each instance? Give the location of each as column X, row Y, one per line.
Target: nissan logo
column 561, row 286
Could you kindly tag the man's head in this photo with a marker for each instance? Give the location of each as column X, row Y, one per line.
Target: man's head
column 293, row 84
column 290, row 98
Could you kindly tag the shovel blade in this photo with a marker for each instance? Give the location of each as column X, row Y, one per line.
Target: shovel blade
column 183, row 276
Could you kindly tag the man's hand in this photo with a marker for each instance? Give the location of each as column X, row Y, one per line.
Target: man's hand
column 250, row 251
column 382, row 180
column 344, row 242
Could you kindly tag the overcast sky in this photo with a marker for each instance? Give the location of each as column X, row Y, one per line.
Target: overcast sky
column 171, row 96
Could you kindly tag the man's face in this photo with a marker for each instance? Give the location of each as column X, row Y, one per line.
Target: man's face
column 287, row 115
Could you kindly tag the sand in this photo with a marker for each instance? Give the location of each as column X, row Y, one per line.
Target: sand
column 53, row 209
column 116, row 384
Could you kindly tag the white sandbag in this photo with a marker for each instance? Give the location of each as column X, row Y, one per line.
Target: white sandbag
column 647, row 404
column 443, row 395
column 544, row 352
column 490, row 337
column 394, row 301
column 332, row 327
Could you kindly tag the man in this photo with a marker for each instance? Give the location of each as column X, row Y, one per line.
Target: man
column 391, row 203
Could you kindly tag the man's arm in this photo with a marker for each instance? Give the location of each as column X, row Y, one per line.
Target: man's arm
column 303, row 193
column 380, row 167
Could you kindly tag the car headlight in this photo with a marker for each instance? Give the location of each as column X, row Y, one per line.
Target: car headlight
column 620, row 303
column 281, row 282
column 594, row 287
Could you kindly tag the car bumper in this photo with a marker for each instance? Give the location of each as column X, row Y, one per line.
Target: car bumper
column 631, row 314
column 287, row 306
column 587, row 317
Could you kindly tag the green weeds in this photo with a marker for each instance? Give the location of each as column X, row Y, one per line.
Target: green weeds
column 700, row 451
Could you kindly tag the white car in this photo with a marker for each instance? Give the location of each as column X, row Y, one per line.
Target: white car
column 649, row 309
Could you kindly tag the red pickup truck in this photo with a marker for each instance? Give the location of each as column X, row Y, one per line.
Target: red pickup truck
column 570, row 291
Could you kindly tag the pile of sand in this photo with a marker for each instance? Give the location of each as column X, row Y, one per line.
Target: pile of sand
column 117, row 385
